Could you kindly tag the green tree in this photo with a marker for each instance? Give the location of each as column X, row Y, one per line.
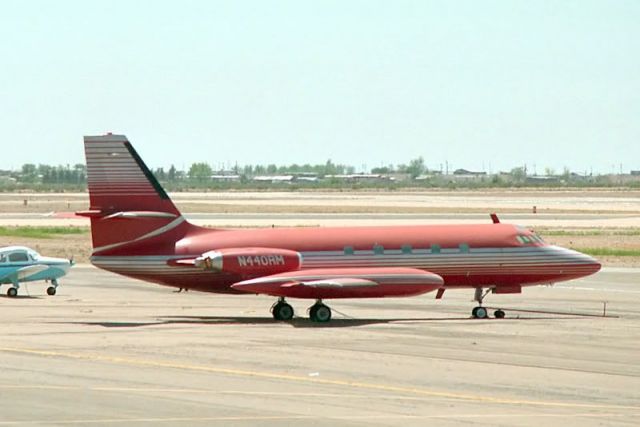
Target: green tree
column 518, row 174
column 200, row 171
column 171, row 175
column 416, row 167
column 29, row 172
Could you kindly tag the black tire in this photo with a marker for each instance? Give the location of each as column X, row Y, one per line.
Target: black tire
column 12, row 292
column 481, row 313
column 282, row 311
column 320, row 313
column 51, row 290
column 285, row 311
column 474, row 312
column 275, row 312
column 499, row 314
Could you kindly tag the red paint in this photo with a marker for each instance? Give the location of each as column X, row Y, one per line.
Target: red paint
column 138, row 232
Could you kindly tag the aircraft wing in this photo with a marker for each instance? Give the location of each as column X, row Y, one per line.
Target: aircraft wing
column 24, row 272
column 338, row 282
column 344, row 283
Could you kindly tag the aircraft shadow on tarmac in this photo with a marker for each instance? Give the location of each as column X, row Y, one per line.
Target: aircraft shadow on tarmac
column 19, row 297
column 297, row 322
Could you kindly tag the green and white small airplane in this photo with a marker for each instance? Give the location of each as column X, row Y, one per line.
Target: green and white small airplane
column 20, row 264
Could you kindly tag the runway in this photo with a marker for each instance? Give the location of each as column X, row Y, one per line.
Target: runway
column 108, row 351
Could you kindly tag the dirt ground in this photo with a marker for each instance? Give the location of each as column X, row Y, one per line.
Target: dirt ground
column 432, row 201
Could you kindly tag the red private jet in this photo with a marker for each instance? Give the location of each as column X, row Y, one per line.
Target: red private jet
column 138, row 232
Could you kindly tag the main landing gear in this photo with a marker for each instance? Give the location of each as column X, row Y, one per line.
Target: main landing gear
column 318, row 312
column 480, row 312
column 281, row 310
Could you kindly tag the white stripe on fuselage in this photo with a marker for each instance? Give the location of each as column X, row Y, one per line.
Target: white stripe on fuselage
column 480, row 261
column 173, row 224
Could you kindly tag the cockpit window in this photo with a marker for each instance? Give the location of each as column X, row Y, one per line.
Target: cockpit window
column 18, row 257
column 531, row 239
column 537, row 238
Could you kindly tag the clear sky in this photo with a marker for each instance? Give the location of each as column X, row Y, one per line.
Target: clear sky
column 491, row 84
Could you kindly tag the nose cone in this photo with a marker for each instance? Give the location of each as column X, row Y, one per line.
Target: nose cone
column 595, row 264
column 61, row 264
column 588, row 265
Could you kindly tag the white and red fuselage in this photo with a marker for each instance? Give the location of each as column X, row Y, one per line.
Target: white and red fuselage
column 487, row 255
column 138, row 232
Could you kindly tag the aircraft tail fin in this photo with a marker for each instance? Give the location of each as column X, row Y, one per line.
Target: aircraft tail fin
column 127, row 204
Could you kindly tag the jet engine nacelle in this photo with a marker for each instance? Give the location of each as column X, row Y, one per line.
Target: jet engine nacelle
column 252, row 261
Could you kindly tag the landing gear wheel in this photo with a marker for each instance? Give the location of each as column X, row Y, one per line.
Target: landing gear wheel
column 499, row 314
column 51, row 290
column 480, row 313
column 12, row 292
column 320, row 313
column 282, row 311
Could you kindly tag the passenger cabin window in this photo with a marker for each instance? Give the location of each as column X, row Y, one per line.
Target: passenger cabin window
column 435, row 249
column 18, row 257
column 348, row 250
column 464, row 247
column 378, row 250
column 406, row 249
column 3, row 258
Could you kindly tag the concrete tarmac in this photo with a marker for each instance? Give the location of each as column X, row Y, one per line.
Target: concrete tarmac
column 110, row 351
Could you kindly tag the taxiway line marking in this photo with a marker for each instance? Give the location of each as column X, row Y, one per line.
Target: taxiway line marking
column 308, row 380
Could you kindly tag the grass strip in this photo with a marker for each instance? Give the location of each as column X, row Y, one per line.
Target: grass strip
column 41, row 232
column 609, row 251
column 578, row 233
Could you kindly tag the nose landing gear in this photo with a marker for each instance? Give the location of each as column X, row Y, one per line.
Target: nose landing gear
column 51, row 290
column 481, row 312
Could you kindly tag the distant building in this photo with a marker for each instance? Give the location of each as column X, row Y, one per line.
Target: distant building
column 225, row 178
column 468, row 172
column 273, row 178
column 542, row 179
column 360, row 177
column 7, row 180
column 465, row 175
